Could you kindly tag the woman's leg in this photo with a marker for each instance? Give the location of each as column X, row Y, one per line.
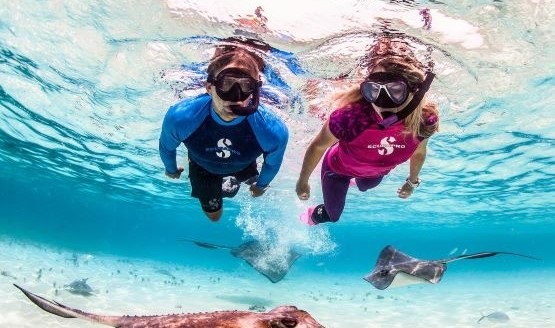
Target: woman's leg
column 364, row 184
column 334, row 189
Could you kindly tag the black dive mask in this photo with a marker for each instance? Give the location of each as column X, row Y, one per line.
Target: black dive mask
column 411, row 106
column 235, row 85
column 386, row 90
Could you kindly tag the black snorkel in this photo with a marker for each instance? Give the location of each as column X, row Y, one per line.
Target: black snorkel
column 411, row 106
column 250, row 108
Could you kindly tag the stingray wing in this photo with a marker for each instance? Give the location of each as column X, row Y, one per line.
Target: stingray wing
column 395, row 268
column 257, row 256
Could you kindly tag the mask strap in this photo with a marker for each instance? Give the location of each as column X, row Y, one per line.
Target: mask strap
column 416, row 99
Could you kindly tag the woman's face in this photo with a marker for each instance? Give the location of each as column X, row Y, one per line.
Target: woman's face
column 222, row 107
column 380, row 69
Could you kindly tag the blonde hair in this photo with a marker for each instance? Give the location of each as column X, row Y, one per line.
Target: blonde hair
column 395, row 56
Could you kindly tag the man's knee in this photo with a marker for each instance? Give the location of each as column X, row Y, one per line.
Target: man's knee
column 212, row 208
column 214, row 216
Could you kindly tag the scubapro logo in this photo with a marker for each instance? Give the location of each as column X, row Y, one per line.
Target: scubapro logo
column 223, row 146
column 386, row 147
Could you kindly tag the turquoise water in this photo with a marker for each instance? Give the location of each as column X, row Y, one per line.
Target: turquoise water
column 84, row 87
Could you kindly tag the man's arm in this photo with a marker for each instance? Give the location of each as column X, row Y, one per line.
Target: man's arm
column 180, row 121
column 168, row 143
column 273, row 158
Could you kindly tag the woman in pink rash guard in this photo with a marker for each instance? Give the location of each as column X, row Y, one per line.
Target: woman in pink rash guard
column 379, row 124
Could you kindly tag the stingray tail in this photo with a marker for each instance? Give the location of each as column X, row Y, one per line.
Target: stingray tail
column 486, row 254
column 205, row 245
column 67, row 312
column 482, row 317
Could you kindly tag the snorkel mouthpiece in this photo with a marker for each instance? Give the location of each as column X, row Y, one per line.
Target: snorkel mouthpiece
column 250, row 108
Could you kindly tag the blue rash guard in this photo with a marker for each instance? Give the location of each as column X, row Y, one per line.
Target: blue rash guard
column 222, row 147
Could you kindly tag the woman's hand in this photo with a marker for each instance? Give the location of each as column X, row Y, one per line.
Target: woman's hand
column 406, row 190
column 303, row 190
column 175, row 175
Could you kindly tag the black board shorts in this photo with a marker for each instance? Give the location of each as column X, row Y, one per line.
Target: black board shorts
column 207, row 186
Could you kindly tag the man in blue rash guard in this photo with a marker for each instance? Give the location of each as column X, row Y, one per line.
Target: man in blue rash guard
column 225, row 131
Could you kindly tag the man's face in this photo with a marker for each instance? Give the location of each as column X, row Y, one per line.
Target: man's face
column 233, row 85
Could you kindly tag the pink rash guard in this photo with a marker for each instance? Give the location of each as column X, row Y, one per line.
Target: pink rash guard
column 364, row 150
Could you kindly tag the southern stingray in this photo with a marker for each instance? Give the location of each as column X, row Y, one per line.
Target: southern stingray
column 259, row 256
column 285, row 316
column 395, row 268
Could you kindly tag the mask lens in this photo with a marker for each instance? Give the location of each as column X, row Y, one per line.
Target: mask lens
column 394, row 88
column 370, row 90
column 397, row 91
column 226, row 83
column 233, row 84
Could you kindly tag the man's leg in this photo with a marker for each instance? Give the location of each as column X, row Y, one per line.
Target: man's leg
column 207, row 187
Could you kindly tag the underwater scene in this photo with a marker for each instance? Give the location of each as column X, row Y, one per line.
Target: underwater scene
column 96, row 229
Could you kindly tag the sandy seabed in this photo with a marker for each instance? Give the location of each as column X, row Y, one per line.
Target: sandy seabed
column 139, row 287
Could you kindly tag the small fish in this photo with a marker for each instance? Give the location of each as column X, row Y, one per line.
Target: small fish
column 496, row 316
column 7, row 274
column 80, row 287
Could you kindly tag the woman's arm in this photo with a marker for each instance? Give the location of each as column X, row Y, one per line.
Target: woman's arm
column 415, row 165
column 323, row 140
column 417, row 160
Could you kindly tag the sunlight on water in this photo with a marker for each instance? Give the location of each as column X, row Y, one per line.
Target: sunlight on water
column 98, row 89
column 84, row 86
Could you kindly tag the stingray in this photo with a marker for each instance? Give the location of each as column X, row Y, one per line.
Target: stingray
column 395, row 268
column 80, row 287
column 256, row 254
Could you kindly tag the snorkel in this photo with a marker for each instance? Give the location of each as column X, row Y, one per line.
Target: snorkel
column 411, row 106
column 251, row 106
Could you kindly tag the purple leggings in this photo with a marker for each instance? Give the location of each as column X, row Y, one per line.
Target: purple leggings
column 335, row 186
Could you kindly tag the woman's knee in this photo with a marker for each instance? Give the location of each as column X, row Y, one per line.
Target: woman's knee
column 334, row 215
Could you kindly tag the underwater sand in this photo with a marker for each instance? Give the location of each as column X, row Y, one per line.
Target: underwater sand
column 131, row 286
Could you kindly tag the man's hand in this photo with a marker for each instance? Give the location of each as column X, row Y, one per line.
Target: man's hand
column 175, row 175
column 256, row 191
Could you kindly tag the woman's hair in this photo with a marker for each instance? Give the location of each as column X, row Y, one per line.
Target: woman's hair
column 396, row 56
column 239, row 52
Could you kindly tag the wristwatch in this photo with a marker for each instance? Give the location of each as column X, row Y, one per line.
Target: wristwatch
column 413, row 184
